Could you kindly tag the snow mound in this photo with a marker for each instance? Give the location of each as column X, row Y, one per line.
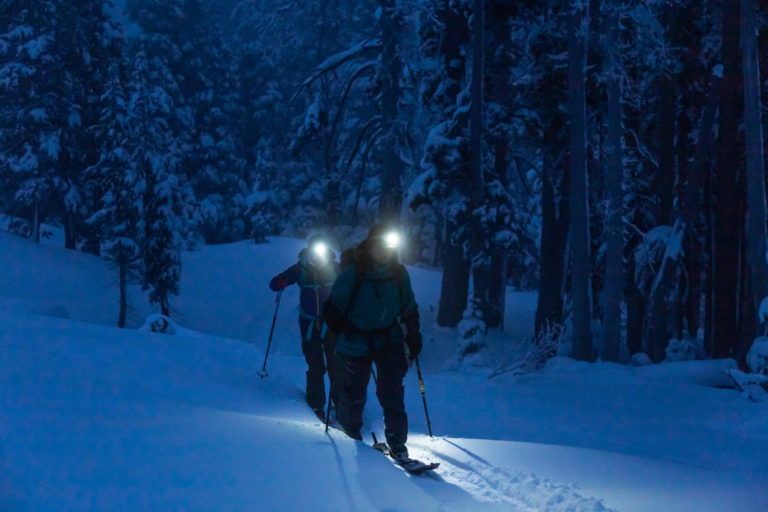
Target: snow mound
column 681, row 349
column 164, row 325
column 757, row 359
column 751, row 384
column 640, row 359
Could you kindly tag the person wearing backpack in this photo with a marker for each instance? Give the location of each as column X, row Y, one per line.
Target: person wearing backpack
column 314, row 273
column 370, row 302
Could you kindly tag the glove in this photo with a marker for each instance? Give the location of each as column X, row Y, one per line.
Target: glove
column 333, row 317
column 278, row 283
column 414, row 342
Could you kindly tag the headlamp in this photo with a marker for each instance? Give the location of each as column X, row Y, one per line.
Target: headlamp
column 320, row 250
column 392, row 240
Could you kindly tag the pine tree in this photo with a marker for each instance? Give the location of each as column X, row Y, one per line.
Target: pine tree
column 28, row 140
column 155, row 161
column 120, row 207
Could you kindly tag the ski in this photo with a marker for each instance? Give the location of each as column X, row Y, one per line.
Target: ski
column 413, row 466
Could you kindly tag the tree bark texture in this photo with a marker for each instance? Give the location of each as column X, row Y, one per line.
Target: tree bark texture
column 728, row 222
column 554, row 233
column 483, row 267
column 123, row 277
column 756, row 209
column 580, row 257
column 454, row 290
column 455, row 282
column 614, row 272
column 663, row 284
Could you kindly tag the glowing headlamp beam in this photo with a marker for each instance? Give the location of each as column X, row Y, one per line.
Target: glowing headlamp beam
column 320, row 250
column 392, row 240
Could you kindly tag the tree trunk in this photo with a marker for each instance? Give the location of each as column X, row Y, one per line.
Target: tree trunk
column 554, row 232
column 635, row 307
column 667, row 127
column 497, row 286
column 580, row 266
column 36, row 221
column 694, row 250
column 70, row 236
column 456, row 269
column 689, row 208
column 756, row 209
column 123, row 277
column 614, row 272
column 482, row 250
column 728, row 222
column 667, row 171
column 455, row 283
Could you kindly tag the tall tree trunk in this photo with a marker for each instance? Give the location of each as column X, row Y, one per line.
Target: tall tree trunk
column 689, row 208
column 667, row 171
column 497, row 287
column 123, row 277
column 636, row 303
column 482, row 251
column 728, row 222
column 391, row 200
column 756, row 209
column 70, row 231
column 667, row 127
column 36, row 221
column 554, row 232
column 580, row 258
column 614, row 272
column 709, row 295
column 455, row 284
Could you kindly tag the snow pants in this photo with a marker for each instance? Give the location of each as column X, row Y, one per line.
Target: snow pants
column 355, row 372
column 319, row 354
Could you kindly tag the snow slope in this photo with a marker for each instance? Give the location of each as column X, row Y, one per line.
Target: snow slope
column 97, row 418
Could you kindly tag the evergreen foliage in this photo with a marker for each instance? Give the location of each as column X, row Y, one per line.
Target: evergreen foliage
column 202, row 121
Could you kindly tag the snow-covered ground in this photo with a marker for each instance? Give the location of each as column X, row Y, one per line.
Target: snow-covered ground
column 98, row 418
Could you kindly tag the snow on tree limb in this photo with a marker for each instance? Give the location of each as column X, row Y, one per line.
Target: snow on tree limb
column 340, row 58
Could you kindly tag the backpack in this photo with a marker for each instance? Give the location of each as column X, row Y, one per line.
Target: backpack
column 348, row 258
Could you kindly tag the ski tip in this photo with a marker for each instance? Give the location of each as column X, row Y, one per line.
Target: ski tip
column 418, row 470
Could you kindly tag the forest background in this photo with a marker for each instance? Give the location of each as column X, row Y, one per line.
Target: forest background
column 608, row 154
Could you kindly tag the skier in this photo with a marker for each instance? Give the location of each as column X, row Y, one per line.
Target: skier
column 370, row 301
column 315, row 273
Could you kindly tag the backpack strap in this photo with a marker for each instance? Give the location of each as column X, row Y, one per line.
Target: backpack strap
column 398, row 272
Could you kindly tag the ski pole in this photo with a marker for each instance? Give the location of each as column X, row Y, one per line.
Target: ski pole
column 263, row 373
column 328, row 410
column 331, row 389
column 423, row 395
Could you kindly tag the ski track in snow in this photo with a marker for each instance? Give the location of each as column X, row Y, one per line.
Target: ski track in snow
column 524, row 492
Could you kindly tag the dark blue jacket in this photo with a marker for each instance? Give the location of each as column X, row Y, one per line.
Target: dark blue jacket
column 315, row 283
